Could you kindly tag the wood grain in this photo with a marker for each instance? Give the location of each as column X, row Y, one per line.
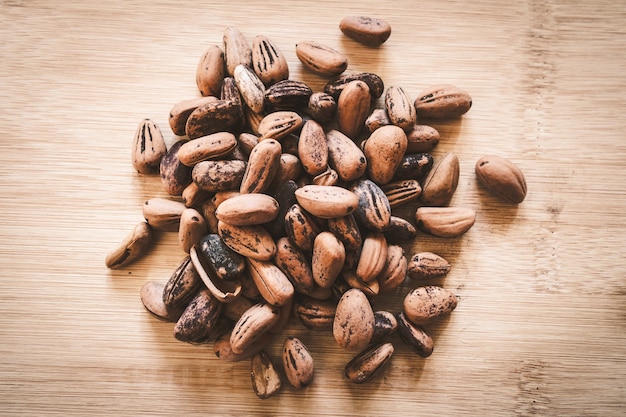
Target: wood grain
column 539, row 329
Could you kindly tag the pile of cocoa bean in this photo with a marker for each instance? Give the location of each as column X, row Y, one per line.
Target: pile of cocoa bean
column 284, row 202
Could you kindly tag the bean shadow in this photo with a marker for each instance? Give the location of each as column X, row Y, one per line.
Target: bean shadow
column 449, row 131
column 497, row 213
column 362, row 58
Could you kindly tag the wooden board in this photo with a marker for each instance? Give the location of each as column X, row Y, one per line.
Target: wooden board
column 539, row 329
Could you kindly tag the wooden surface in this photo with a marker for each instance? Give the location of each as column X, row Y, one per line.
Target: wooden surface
column 541, row 320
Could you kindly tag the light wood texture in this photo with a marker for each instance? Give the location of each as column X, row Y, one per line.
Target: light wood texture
column 540, row 326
